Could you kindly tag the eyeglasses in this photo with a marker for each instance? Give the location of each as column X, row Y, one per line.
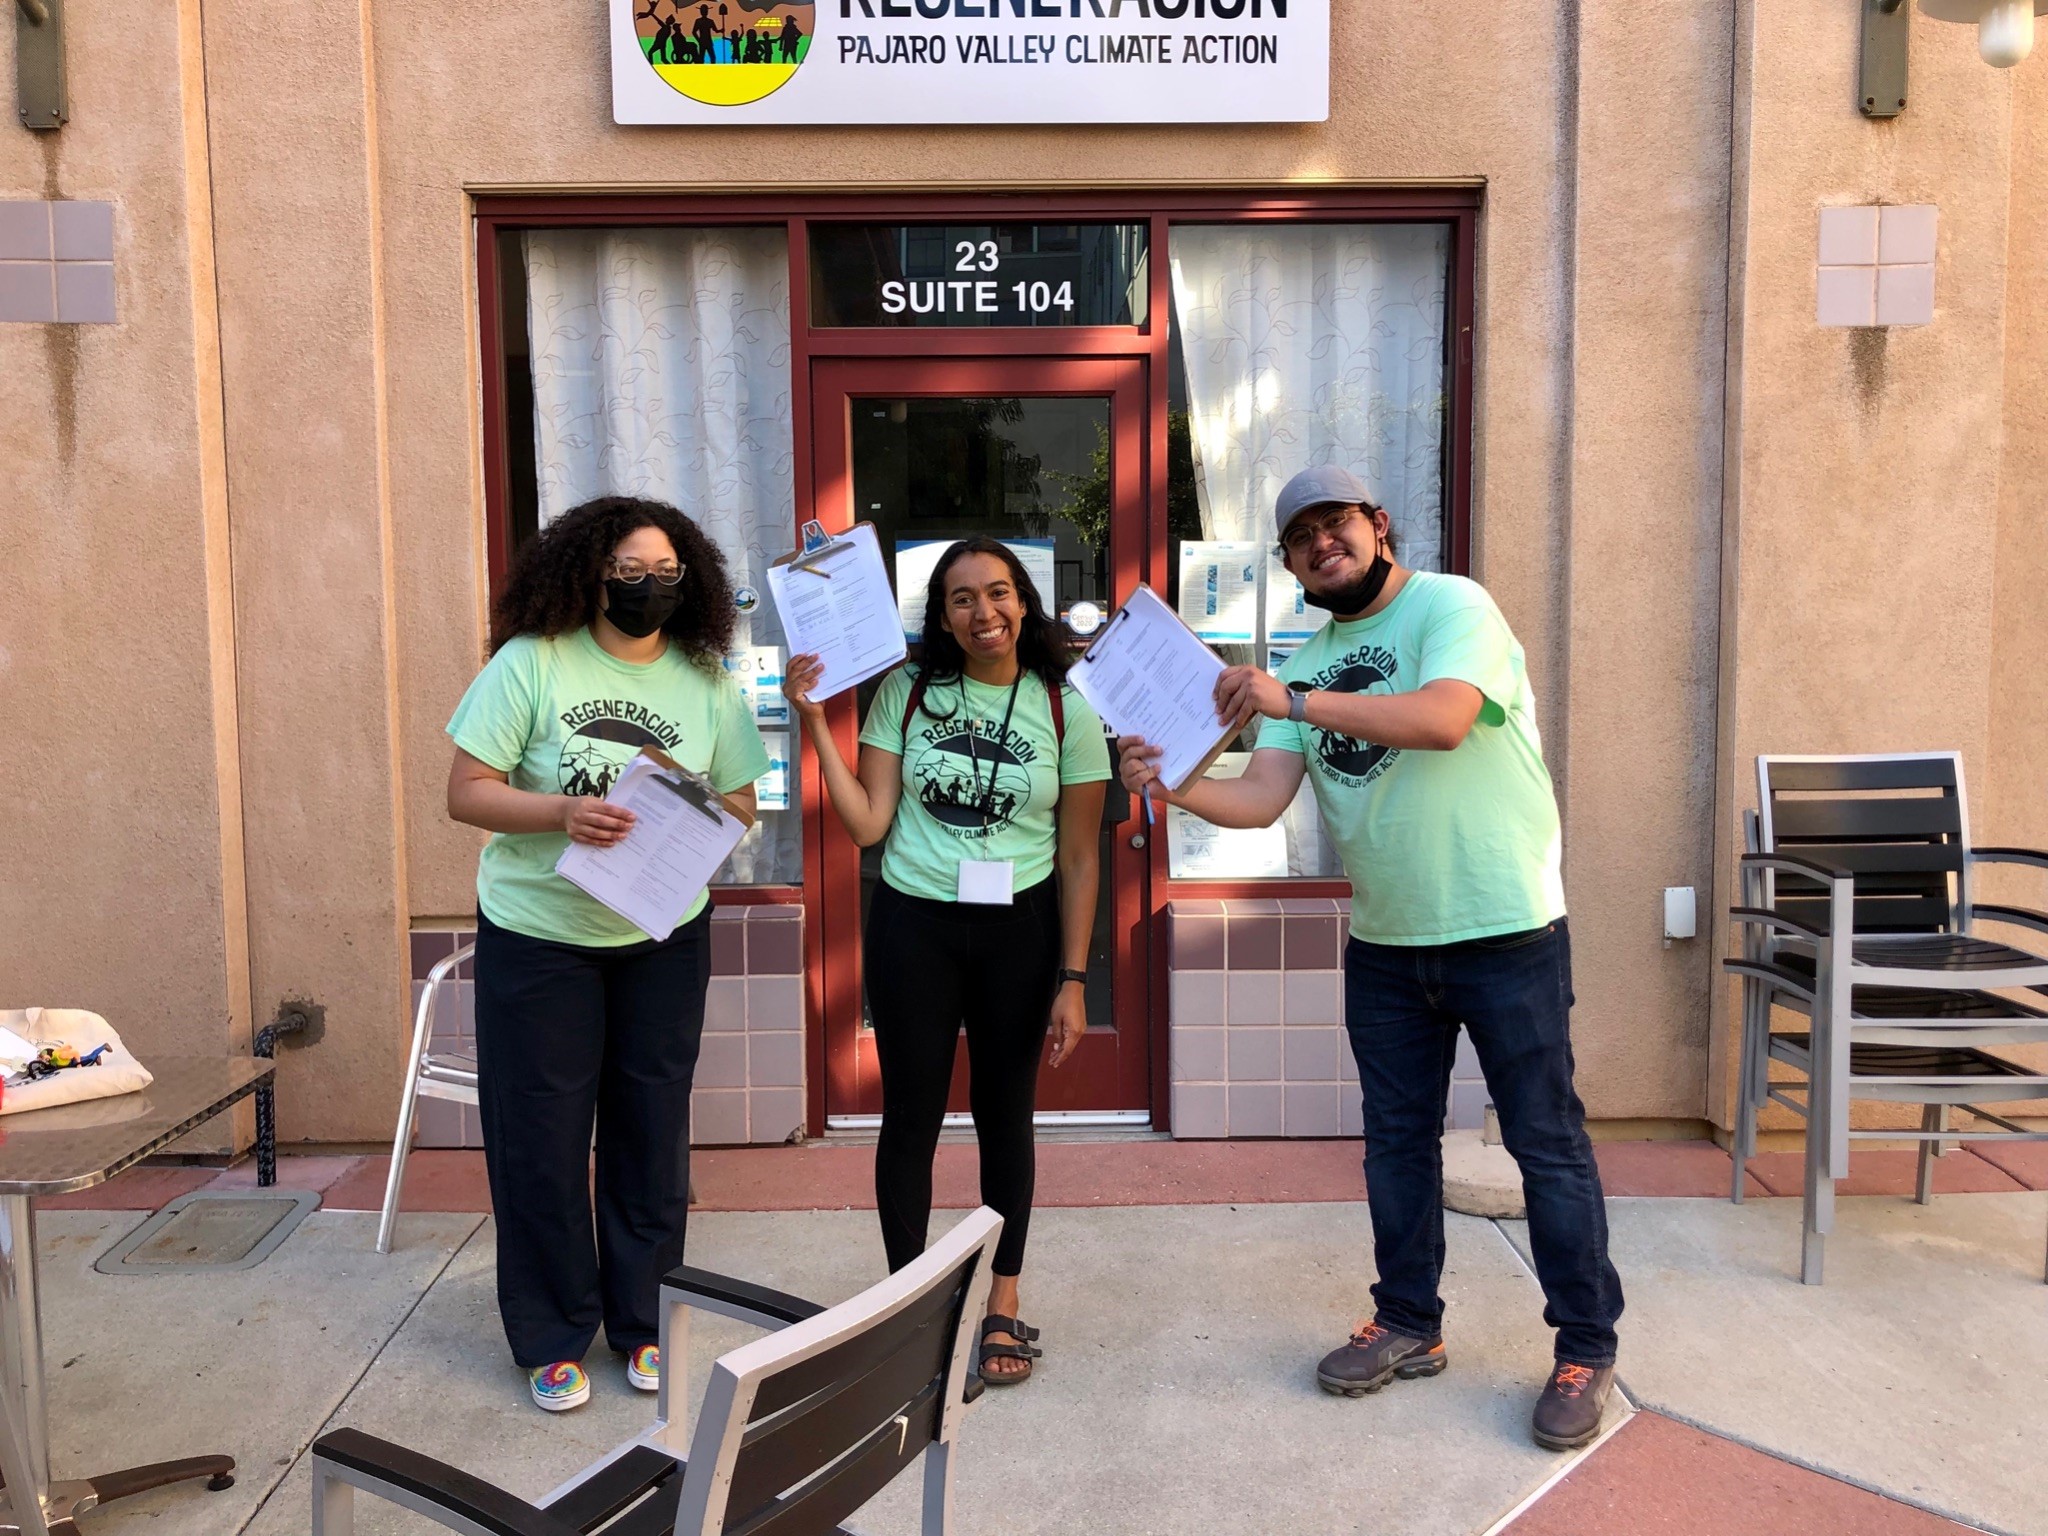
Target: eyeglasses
column 632, row 572
column 1303, row 532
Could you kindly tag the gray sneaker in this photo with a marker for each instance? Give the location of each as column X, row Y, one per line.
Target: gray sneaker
column 1568, row 1412
column 1375, row 1356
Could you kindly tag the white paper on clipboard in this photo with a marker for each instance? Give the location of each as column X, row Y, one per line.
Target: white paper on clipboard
column 839, row 606
column 1149, row 675
column 682, row 832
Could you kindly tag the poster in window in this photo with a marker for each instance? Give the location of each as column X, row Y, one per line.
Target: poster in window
column 1219, row 589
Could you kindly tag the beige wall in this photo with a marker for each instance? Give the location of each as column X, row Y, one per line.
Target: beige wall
column 1707, row 519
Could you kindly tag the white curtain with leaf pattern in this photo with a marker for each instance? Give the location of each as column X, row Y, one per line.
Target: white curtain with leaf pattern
column 661, row 368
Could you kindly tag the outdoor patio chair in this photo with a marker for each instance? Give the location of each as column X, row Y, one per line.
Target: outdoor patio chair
column 1858, row 912
column 428, row 1074
column 796, row 1432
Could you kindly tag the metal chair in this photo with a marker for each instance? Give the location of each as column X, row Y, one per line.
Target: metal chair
column 1858, row 912
column 429, row 1074
column 796, row 1432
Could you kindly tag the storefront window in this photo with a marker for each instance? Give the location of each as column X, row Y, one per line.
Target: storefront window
column 978, row 274
column 659, row 363
column 1295, row 345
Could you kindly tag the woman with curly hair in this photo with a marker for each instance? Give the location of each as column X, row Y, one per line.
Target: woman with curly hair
column 608, row 637
column 987, row 897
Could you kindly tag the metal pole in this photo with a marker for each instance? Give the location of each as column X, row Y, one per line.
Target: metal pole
column 21, row 1342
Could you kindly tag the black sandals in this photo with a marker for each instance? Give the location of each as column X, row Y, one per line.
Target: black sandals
column 1016, row 1330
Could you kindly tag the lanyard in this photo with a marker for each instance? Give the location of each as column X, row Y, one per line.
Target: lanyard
column 985, row 801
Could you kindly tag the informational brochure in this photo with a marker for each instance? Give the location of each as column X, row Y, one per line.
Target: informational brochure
column 916, row 559
column 758, row 670
column 683, row 829
column 1219, row 589
column 771, row 790
column 1200, row 850
column 1290, row 617
column 1148, row 675
column 837, row 604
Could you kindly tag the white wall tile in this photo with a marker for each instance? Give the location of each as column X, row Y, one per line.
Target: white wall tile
column 1846, row 296
column 1848, row 236
column 1905, row 295
column 1906, row 234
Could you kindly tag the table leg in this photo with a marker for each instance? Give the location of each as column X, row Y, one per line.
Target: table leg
column 51, row 1509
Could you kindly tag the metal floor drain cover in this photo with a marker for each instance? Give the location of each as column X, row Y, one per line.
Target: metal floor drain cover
column 210, row 1231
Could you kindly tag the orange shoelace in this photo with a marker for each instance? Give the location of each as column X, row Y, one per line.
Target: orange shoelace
column 1365, row 1335
column 1571, row 1380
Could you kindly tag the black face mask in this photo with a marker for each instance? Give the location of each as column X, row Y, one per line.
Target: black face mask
column 1357, row 597
column 640, row 608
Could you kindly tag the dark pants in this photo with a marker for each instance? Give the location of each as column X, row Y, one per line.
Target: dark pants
column 567, row 1034
column 931, row 967
column 1403, row 1006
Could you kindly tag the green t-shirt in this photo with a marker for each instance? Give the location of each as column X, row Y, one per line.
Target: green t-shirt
column 562, row 716
column 937, row 821
column 1440, row 846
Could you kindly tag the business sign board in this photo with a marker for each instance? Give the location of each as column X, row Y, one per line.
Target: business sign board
column 970, row 61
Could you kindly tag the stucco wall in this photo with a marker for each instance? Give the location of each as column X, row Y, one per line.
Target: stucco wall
column 1717, row 529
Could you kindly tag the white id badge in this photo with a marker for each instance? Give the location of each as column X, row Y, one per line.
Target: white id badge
column 988, row 882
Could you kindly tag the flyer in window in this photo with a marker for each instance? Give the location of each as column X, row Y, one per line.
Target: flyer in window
column 1290, row 617
column 758, row 670
column 916, row 559
column 1200, row 850
column 1219, row 589
column 771, row 790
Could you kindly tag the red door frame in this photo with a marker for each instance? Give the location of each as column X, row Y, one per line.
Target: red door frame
column 1458, row 206
column 1119, row 1061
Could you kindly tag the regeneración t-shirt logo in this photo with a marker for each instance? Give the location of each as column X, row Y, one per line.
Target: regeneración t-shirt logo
column 944, row 776
column 1351, row 762
column 604, row 736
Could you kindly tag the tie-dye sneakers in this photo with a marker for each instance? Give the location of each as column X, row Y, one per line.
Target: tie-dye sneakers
column 560, row 1386
column 643, row 1368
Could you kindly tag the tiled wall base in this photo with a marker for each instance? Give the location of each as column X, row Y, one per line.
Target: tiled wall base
column 750, row 1073
column 1256, row 1009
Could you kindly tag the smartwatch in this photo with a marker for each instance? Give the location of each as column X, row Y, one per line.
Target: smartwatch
column 1297, row 704
column 1068, row 973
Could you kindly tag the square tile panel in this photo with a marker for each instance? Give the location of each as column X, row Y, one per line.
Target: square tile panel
column 722, row 1061
column 1255, row 943
column 1848, row 236
column 1255, row 1109
column 775, row 1002
column 728, row 942
column 24, row 231
column 773, row 1113
column 775, row 1058
column 1312, row 1109
column 1846, row 296
column 1905, row 295
column 1255, row 1055
column 1906, row 234
column 1312, row 1054
column 1350, row 1111
column 1197, row 1055
column 85, row 292
column 1199, row 1111
column 1195, row 997
column 28, row 291
column 1314, row 997
column 1468, row 1106
column 82, row 231
column 718, row 1117
column 1197, row 943
column 1255, row 997
column 775, row 945
column 725, row 1004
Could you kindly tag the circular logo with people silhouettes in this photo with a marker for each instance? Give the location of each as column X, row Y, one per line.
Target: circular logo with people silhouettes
column 724, row 53
column 972, row 784
column 1370, row 669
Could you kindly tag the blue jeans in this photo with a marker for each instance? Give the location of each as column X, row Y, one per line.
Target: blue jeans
column 1402, row 1006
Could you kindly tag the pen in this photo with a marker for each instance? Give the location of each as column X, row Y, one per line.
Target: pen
column 1145, row 794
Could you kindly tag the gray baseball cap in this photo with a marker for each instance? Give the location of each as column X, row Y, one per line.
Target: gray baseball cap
column 1327, row 485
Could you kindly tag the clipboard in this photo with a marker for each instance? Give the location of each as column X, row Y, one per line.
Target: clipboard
column 1194, row 727
column 847, row 615
column 661, row 868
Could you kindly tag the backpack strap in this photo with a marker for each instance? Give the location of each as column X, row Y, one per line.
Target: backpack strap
column 915, row 698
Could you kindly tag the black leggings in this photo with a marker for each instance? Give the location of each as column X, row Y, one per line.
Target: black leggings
column 567, row 1034
column 931, row 967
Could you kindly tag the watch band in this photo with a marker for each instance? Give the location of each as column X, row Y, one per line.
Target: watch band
column 1068, row 973
column 1297, row 705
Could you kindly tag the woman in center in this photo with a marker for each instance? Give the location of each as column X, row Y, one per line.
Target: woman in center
column 987, row 896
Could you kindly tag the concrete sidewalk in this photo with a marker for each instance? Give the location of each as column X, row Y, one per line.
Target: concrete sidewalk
column 1177, row 1393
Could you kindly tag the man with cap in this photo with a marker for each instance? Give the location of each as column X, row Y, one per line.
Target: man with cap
column 1412, row 715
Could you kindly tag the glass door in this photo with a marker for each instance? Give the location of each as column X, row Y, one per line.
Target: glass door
column 1044, row 455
